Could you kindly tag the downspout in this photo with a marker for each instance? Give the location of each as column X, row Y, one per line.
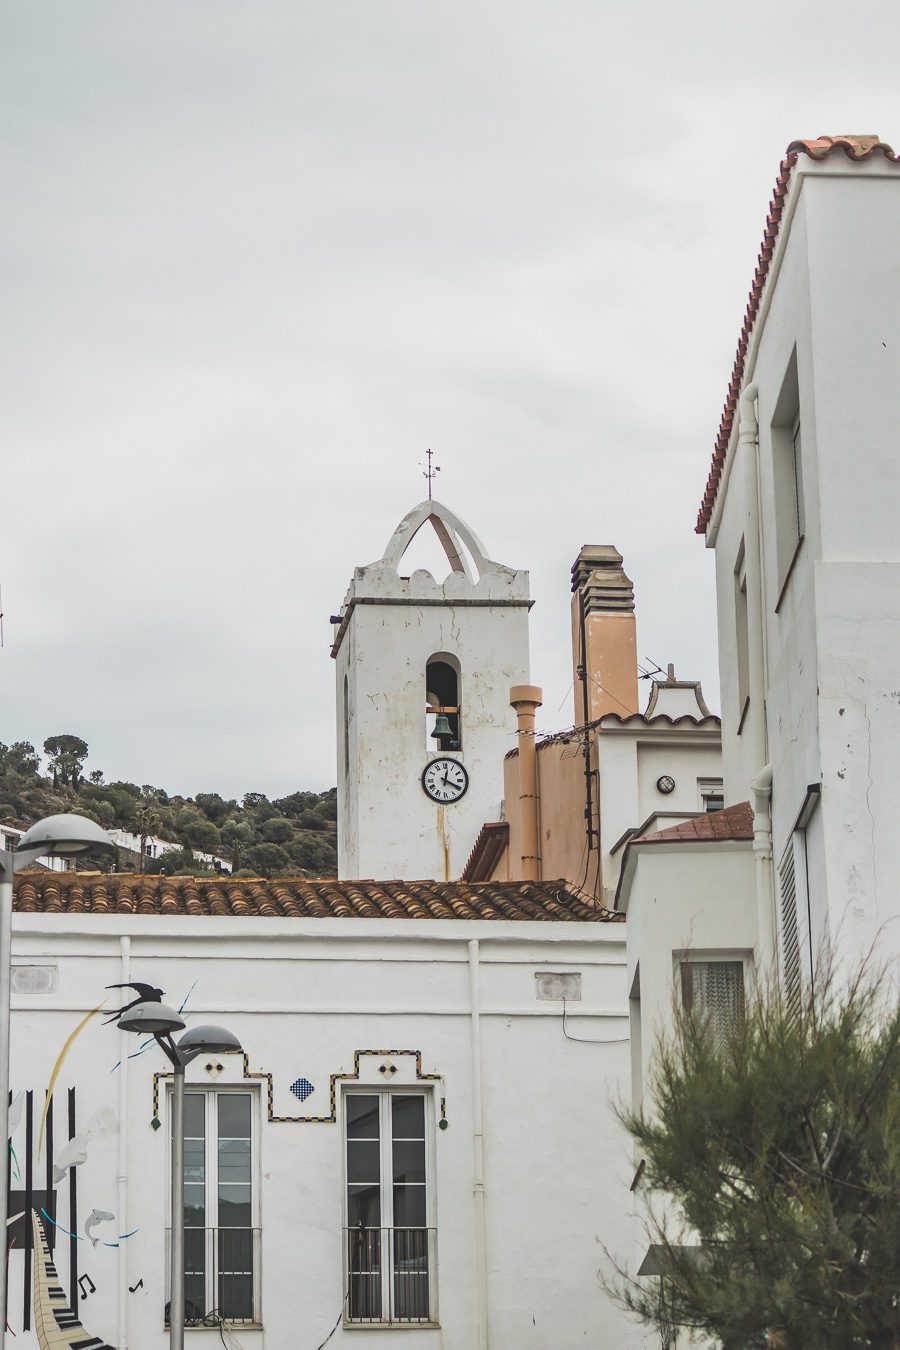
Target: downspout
column 761, row 785
column 125, row 1048
column 526, row 699
column 481, row 1309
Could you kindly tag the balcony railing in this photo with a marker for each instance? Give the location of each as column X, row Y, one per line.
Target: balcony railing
column 222, row 1275
column 390, row 1274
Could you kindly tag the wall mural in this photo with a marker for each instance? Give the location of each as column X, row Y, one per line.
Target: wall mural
column 42, row 1179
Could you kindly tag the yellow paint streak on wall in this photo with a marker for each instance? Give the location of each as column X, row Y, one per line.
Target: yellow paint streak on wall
column 56, row 1068
column 445, row 842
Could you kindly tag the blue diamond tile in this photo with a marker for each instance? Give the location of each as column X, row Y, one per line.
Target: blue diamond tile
column 302, row 1088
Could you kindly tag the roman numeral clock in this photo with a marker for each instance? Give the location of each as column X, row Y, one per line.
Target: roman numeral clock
column 445, row 780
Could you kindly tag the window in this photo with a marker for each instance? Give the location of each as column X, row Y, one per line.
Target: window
column 443, row 727
column 790, row 931
column 787, row 474
column 390, row 1254
column 346, row 727
column 714, row 990
column 742, row 634
column 221, row 1239
column 712, row 794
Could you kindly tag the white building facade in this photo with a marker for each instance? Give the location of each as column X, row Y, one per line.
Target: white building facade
column 415, row 1146
column 801, row 508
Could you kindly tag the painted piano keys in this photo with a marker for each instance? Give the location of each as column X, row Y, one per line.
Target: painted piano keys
column 55, row 1324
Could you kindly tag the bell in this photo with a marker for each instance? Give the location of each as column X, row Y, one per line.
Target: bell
column 441, row 726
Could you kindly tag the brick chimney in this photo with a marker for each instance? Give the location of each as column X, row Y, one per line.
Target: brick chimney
column 604, row 637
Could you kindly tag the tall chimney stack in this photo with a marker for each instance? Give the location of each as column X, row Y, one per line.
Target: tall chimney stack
column 604, row 636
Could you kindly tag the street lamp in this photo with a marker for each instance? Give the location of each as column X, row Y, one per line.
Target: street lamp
column 69, row 835
column 161, row 1022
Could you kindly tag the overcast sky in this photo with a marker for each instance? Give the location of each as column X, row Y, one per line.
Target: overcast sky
column 257, row 257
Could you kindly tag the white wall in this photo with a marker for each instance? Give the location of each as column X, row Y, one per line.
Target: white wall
column 555, row 1159
column 832, row 649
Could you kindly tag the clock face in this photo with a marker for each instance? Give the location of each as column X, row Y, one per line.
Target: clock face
column 445, row 780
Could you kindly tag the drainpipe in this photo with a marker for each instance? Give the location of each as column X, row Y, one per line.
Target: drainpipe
column 761, row 785
column 481, row 1310
column 526, row 699
column 761, row 791
column 125, row 1048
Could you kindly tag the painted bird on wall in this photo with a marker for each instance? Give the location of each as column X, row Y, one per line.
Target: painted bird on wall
column 145, row 994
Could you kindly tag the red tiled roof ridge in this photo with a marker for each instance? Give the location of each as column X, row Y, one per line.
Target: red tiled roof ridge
column 299, row 897
column 732, row 823
column 856, row 148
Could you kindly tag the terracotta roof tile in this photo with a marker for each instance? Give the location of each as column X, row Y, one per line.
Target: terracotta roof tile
column 735, row 822
column 856, row 148
column 100, row 893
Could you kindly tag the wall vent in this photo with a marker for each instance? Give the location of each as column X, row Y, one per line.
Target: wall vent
column 549, row 984
column 35, row 979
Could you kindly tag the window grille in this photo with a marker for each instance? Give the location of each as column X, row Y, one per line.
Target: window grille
column 715, row 991
column 790, row 937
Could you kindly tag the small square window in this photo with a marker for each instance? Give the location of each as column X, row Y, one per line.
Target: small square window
column 714, row 991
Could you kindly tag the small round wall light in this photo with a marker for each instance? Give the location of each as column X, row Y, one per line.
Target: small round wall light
column 665, row 783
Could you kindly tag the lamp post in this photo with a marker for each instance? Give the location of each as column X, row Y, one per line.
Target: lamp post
column 67, row 835
column 161, row 1022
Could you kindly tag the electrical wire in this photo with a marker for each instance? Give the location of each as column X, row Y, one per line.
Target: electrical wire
column 336, row 1325
column 589, row 1040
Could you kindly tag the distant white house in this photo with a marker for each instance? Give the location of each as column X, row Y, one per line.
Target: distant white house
column 155, row 847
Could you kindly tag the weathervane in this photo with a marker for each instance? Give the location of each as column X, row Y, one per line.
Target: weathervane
column 431, row 471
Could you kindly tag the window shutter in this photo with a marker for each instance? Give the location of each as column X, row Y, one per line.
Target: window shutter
column 790, row 940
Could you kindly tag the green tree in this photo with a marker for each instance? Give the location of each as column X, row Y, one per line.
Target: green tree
column 267, row 859
column 66, row 755
column 96, row 777
column 277, row 830
column 22, row 758
column 782, row 1152
column 146, row 822
column 213, row 806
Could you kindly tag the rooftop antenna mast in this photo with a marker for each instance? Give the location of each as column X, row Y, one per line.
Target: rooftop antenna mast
column 431, row 471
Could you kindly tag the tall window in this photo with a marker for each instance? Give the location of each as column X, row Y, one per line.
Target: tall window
column 787, row 473
column 742, row 633
column 221, row 1239
column 714, row 990
column 390, row 1254
column 442, row 704
column 346, row 711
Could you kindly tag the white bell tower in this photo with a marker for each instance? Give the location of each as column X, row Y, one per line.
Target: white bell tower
column 424, row 668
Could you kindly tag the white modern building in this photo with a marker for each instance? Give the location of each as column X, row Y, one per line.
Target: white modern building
column 801, row 508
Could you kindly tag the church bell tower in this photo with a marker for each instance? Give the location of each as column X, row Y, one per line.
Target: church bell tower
column 424, row 668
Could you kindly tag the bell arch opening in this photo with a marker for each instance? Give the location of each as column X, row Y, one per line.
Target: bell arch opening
column 443, row 702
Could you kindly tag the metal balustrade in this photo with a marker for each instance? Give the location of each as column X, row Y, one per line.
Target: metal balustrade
column 389, row 1274
column 222, row 1275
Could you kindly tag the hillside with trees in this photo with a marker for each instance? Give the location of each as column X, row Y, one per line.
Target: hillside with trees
column 288, row 836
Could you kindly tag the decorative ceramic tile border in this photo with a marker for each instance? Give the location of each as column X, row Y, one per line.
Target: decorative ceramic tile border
column 334, row 1079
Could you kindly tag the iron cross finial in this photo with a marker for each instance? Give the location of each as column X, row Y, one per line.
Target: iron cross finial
column 431, row 471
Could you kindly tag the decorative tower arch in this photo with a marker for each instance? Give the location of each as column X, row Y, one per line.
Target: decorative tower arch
column 425, row 665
